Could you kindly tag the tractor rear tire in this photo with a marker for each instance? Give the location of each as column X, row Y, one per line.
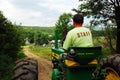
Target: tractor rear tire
column 25, row 69
column 111, row 64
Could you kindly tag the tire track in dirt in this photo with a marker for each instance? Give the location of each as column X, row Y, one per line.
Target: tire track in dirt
column 44, row 65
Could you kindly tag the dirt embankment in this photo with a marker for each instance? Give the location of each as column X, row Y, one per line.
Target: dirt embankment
column 44, row 66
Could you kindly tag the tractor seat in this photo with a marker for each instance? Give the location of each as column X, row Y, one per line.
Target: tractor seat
column 84, row 56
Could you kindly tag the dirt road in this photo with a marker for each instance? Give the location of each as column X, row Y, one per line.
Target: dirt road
column 44, row 66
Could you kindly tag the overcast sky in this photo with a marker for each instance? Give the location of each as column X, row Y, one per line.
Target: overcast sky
column 36, row 12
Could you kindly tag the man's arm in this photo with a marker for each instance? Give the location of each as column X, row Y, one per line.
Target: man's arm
column 67, row 42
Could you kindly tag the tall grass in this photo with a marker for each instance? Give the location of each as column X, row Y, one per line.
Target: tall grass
column 105, row 46
column 41, row 51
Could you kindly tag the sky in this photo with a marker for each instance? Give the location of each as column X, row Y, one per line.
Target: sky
column 36, row 12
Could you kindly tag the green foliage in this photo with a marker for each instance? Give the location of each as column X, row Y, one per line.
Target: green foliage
column 109, row 35
column 40, row 38
column 11, row 40
column 39, row 35
column 20, row 55
column 98, row 33
column 106, row 51
column 63, row 25
column 29, row 34
column 45, row 30
column 11, row 37
column 102, row 12
column 111, row 32
column 6, row 67
column 7, row 64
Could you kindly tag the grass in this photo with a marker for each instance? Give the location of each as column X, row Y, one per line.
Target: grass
column 105, row 46
column 46, row 51
column 41, row 51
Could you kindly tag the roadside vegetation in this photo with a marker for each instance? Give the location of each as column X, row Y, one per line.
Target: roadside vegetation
column 11, row 39
column 43, row 52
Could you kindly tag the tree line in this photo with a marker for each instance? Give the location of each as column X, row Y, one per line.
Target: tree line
column 39, row 35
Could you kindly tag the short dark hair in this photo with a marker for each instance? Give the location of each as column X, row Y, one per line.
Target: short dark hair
column 78, row 18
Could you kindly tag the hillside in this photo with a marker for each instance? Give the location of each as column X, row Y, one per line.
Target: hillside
column 46, row 30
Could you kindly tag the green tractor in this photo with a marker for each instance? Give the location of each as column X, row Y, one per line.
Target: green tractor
column 79, row 63
column 84, row 63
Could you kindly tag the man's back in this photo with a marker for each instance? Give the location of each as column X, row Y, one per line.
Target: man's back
column 77, row 37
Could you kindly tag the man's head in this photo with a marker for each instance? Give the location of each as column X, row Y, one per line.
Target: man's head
column 78, row 19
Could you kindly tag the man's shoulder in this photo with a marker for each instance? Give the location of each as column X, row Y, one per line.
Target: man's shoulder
column 72, row 31
column 78, row 29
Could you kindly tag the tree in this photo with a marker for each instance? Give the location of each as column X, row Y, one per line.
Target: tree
column 29, row 34
column 102, row 12
column 63, row 25
column 40, row 38
column 11, row 37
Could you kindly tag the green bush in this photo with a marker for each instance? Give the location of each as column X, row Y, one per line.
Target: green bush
column 20, row 55
column 11, row 40
column 106, row 51
column 6, row 67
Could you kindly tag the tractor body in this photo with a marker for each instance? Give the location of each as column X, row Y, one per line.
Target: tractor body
column 79, row 63
column 82, row 68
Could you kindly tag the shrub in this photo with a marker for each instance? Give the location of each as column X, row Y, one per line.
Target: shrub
column 6, row 67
